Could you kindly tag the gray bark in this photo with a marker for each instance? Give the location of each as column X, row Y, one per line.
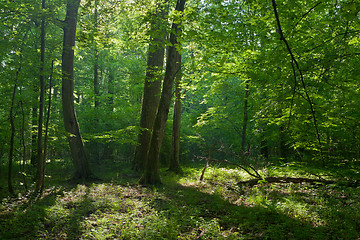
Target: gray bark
column 81, row 164
column 151, row 174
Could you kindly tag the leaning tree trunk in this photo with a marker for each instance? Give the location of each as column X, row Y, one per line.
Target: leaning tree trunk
column 175, row 140
column 151, row 174
column 152, row 85
column 81, row 164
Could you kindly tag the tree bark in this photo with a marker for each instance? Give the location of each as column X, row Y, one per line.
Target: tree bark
column 23, row 142
column 175, row 140
column 151, row 174
column 40, row 159
column 81, row 164
column 96, row 146
column 12, row 136
column 12, row 127
column 96, row 59
column 152, row 85
column 245, row 119
column 34, row 112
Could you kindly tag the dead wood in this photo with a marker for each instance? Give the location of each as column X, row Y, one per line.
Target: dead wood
column 253, row 182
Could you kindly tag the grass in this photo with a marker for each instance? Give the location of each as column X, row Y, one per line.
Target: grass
column 183, row 208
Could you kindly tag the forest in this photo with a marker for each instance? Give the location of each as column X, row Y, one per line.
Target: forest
column 180, row 119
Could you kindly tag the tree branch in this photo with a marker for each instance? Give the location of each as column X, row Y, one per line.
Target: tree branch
column 282, row 37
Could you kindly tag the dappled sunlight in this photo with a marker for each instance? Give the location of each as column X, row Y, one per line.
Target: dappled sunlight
column 184, row 208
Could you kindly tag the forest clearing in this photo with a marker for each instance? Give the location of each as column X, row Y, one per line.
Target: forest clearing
column 179, row 119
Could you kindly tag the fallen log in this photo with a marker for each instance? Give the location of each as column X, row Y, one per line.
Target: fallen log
column 253, row 182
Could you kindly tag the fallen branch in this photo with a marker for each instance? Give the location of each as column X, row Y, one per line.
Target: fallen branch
column 256, row 181
column 208, row 160
column 246, row 167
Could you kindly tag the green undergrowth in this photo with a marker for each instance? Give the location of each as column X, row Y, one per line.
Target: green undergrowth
column 186, row 208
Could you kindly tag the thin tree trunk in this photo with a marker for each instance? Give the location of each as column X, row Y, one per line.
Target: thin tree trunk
column 284, row 150
column 33, row 134
column 47, row 127
column 12, row 136
column 152, row 85
column 264, row 150
column 110, row 99
column 173, row 65
column 12, row 127
column 96, row 59
column 245, row 119
column 23, row 144
column 81, row 164
column 96, row 145
column 96, row 79
column 40, row 163
column 175, row 140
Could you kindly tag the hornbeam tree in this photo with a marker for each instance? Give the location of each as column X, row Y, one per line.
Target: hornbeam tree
column 81, row 163
column 152, row 85
column 173, row 65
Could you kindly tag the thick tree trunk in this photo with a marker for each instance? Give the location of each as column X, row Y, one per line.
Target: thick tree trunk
column 175, row 141
column 81, row 164
column 152, row 85
column 40, row 159
column 151, row 174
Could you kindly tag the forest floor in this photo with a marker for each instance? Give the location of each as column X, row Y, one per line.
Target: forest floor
column 184, row 207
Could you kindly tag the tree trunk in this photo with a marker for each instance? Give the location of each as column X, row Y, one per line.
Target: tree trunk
column 282, row 143
column 47, row 127
column 152, row 85
column 23, row 141
column 151, row 174
column 40, row 159
column 96, row 150
column 243, row 136
column 12, row 136
column 175, row 140
column 81, row 164
column 12, row 127
column 33, row 134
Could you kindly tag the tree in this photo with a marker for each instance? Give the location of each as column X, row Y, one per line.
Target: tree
column 245, row 119
column 173, row 65
column 12, row 124
column 81, row 164
column 152, row 85
column 174, row 165
column 40, row 157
